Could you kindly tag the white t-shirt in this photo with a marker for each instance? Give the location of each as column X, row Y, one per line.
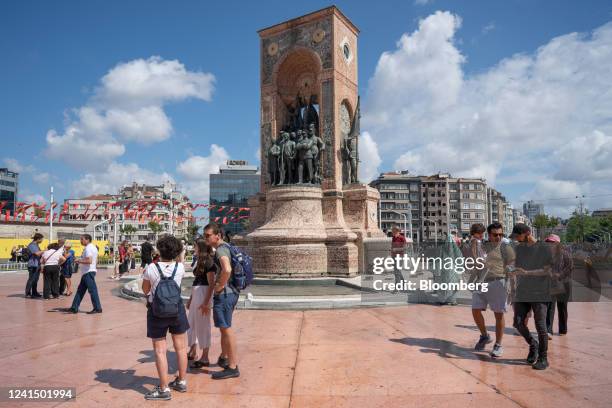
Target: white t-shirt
column 152, row 274
column 92, row 252
column 51, row 257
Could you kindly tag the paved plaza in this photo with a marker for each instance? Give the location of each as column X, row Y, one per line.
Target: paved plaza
column 413, row 355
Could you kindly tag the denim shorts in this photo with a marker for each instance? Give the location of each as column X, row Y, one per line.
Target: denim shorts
column 223, row 308
column 157, row 328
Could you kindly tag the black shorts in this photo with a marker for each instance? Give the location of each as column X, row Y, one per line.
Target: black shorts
column 158, row 328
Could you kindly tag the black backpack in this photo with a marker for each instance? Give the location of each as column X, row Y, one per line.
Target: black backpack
column 167, row 298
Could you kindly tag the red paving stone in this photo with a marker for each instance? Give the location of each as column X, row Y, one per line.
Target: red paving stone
column 415, row 355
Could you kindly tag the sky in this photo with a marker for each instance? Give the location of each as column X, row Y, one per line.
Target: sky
column 96, row 94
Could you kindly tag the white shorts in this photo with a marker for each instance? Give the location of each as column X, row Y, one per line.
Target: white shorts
column 199, row 324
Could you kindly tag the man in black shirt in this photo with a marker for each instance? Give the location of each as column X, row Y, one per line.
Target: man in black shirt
column 532, row 293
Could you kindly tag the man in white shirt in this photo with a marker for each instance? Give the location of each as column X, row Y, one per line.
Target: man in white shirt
column 88, row 267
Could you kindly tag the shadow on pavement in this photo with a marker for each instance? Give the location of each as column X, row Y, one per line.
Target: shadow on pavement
column 125, row 380
column 451, row 350
column 507, row 330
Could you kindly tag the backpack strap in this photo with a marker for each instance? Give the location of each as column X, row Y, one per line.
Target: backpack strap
column 161, row 274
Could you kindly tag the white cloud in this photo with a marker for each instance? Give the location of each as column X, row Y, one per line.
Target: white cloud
column 369, row 158
column 16, row 166
column 128, row 106
column 196, row 170
column 489, row 27
column 545, row 113
column 422, row 2
column 41, row 177
column 29, row 197
column 115, row 176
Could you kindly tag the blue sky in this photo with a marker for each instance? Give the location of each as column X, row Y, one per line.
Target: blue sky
column 54, row 55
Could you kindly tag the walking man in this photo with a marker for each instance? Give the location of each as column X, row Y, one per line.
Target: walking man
column 88, row 265
column 500, row 258
column 533, row 270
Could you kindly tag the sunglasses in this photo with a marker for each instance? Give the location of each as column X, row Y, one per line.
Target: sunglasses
column 209, row 235
column 497, row 235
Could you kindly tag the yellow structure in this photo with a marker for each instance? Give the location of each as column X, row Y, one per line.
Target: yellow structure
column 7, row 244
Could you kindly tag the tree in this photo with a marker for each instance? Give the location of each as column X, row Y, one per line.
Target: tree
column 156, row 228
column 540, row 222
column 192, row 232
column 128, row 230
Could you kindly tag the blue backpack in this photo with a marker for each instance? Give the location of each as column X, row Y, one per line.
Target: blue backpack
column 242, row 268
column 167, row 298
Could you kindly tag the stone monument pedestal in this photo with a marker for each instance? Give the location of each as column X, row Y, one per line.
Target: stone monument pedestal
column 291, row 243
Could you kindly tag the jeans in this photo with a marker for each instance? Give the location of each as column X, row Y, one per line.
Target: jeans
column 550, row 316
column 33, row 275
column 51, row 281
column 87, row 284
column 521, row 309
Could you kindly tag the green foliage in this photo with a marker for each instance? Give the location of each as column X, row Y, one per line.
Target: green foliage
column 586, row 227
column 128, row 230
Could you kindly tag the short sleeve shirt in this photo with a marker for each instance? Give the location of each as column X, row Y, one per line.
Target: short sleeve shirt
column 51, row 257
column 221, row 251
column 34, row 260
column 152, row 274
column 92, row 252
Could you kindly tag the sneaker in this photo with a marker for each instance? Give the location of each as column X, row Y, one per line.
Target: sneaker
column 158, row 394
column 223, row 362
column 178, row 385
column 226, row 373
column 497, row 351
column 484, row 340
column 533, row 354
column 541, row 364
column 95, row 311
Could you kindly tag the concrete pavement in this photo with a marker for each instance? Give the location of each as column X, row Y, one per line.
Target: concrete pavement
column 414, row 355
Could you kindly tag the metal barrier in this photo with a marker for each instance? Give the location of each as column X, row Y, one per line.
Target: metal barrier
column 14, row 266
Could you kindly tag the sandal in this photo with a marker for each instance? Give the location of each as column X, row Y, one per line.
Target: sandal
column 200, row 364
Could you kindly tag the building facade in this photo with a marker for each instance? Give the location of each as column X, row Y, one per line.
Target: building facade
column 435, row 206
column 602, row 212
column 9, row 189
column 532, row 210
column 163, row 205
column 235, row 183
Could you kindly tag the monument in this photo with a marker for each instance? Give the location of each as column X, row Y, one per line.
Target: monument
column 312, row 217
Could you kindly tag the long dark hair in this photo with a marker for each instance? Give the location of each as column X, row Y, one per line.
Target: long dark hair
column 205, row 258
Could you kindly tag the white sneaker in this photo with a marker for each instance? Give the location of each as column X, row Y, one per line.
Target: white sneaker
column 497, row 351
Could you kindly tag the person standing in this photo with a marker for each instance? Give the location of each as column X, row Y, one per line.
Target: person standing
column 533, row 271
column 168, row 268
column 146, row 255
column 88, row 264
column 50, row 261
column 200, row 304
column 499, row 260
column 398, row 247
column 34, row 252
column 224, row 302
column 67, row 270
column 563, row 268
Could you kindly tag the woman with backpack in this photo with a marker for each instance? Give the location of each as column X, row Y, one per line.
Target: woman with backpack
column 161, row 282
column 200, row 304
